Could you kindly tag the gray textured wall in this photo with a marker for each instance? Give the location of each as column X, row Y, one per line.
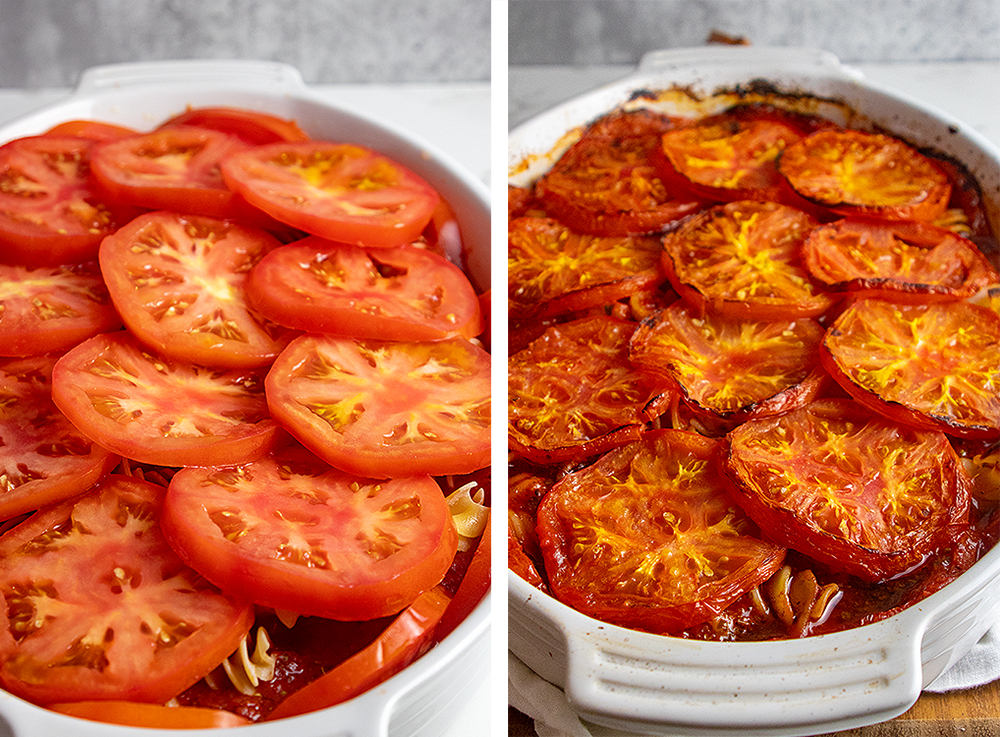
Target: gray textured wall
column 47, row 43
column 619, row 31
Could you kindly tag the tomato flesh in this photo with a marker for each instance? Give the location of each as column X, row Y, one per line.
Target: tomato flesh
column 648, row 537
column 178, row 282
column 51, row 309
column 404, row 293
column 933, row 366
column 861, row 494
column 339, row 191
column 152, row 410
column 291, row 533
column 98, row 606
column 382, row 409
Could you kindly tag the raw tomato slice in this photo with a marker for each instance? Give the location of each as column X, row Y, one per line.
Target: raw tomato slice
column 178, row 283
column 607, row 183
column 386, row 409
column 573, row 392
column 176, row 169
column 905, row 261
column 93, row 130
column 340, row 191
column 857, row 492
column 150, row 716
column 99, row 607
column 648, row 538
column 289, row 532
column 43, row 458
column 731, row 369
column 553, row 270
column 153, row 410
column 404, row 293
column 854, row 172
column 934, row 366
column 251, row 126
column 742, row 260
column 52, row 308
column 398, row 646
column 50, row 211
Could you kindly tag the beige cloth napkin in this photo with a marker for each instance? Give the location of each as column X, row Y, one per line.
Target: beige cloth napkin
column 553, row 717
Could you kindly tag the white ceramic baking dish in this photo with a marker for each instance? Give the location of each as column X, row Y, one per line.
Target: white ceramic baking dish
column 421, row 700
column 660, row 685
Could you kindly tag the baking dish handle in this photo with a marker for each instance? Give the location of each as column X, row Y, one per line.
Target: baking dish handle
column 759, row 59
column 697, row 688
column 249, row 73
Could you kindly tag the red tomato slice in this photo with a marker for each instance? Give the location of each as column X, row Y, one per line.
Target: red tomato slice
column 251, row 126
column 404, row 293
column 99, row 607
column 934, row 366
column 50, row 211
column 289, row 532
column 52, row 308
column 648, row 538
column 573, row 392
column 93, row 130
column 178, row 283
column 742, row 260
column 473, row 588
column 153, row 410
column 854, row 172
column 903, row 260
column 340, row 191
column 853, row 490
column 152, row 716
column 551, row 269
column 397, row 647
column 386, row 409
column 731, row 369
column 732, row 155
column 174, row 169
column 607, row 183
column 43, row 458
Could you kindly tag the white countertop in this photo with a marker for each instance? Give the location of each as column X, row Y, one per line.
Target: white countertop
column 454, row 118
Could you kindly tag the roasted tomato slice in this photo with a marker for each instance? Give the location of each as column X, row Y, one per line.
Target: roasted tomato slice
column 404, row 293
column 574, row 394
column 173, row 168
column 386, row 409
column 553, row 270
column 904, row 261
column 94, row 130
column 43, row 458
column 932, row 366
column 52, row 308
column 98, row 606
column 743, row 260
column 732, row 155
column 398, row 646
column 648, row 537
column 50, row 211
column 607, row 183
column 857, row 492
column 854, row 172
column 291, row 533
column 178, row 283
column 153, row 410
column 339, row 191
column 519, row 200
column 250, row 126
column 731, row 369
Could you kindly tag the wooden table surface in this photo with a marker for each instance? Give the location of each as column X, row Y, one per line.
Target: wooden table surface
column 971, row 713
